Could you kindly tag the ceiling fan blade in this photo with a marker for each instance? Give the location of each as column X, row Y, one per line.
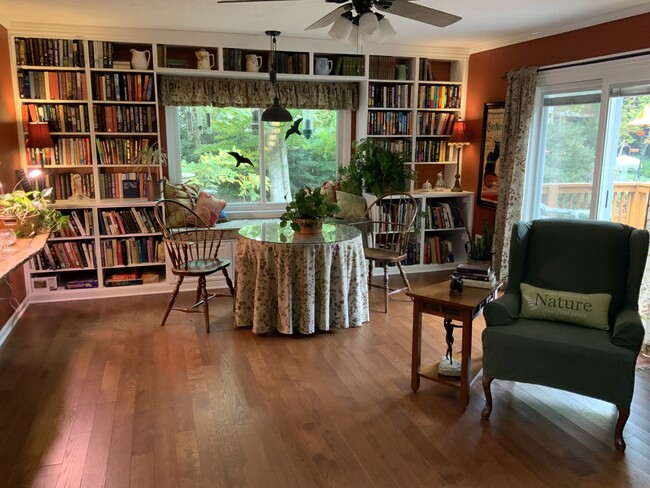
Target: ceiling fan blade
column 248, row 1
column 330, row 18
column 405, row 8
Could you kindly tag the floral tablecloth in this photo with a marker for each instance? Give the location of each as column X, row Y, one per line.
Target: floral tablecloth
column 294, row 283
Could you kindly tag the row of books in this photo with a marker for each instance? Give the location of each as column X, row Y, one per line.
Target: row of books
column 412, row 253
column 131, row 87
column 439, row 96
column 349, row 66
column 382, row 68
column 398, row 146
column 435, row 123
column 63, row 186
column 389, row 96
column 122, row 118
column 432, row 150
column 438, row 251
column 80, row 224
column 65, row 255
column 120, row 151
column 34, row 51
column 101, row 55
column 426, row 73
column 442, row 215
column 133, row 277
column 52, row 85
column 60, row 117
column 389, row 123
column 128, row 221
column 113, row 185
column 132, row 250
column 72, row 151
column 476, row 276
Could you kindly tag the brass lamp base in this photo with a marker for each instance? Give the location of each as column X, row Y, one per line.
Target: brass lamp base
column 457, row 184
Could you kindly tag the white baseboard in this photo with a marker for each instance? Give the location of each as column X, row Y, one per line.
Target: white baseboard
column 13, row 320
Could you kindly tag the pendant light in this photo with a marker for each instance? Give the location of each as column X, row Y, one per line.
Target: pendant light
column 276, row 112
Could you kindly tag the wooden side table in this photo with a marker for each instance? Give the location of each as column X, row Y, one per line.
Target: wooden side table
column 437, row 300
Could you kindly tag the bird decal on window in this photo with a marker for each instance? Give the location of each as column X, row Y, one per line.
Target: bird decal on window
column 240, row 159
column 294, row 129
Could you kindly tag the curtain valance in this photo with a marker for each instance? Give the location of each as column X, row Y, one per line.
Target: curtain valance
column 223, row 92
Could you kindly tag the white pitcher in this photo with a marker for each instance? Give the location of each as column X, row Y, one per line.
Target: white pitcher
column 253, row 63
column 140, row 59
column 323, row 66
column 204, row 59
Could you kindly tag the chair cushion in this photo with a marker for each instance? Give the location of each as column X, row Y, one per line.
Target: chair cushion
column 588, row 310
column 350, row 206
column 209, row 208
column 569, row 357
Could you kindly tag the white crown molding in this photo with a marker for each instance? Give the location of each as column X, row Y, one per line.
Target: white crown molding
column 561, row 28
column 5, row 22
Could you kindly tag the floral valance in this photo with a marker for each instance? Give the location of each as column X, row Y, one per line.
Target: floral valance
column 223, row 92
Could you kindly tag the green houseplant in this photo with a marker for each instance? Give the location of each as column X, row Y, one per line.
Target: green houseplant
column 28, row 212
column 150, row 159
column 374, row 168
column 305, row 213
column 479, row 248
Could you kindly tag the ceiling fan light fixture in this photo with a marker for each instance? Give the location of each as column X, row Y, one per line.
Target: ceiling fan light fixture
column 368, row 23
column 354, row 35
column 341, row 28
column 386, row 30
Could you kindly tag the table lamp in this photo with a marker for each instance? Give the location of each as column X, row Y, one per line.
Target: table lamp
column 38, row 137
column 458, row 139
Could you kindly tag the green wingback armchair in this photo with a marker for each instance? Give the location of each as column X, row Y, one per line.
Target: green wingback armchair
column 577, row 256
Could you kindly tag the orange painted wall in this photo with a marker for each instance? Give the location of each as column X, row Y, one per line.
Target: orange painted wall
column 9, row 161
column 486, row 70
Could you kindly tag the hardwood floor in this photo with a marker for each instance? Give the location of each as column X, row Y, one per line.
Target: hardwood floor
column 96, row 393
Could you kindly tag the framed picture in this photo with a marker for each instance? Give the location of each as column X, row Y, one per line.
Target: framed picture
column 488, row 180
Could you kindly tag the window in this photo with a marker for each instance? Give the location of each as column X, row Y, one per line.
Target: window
column 589, row 154
column 212, row 142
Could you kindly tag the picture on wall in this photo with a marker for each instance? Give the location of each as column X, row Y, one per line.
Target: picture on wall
column 488, row 183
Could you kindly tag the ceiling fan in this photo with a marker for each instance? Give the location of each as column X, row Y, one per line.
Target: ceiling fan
column 353, row 12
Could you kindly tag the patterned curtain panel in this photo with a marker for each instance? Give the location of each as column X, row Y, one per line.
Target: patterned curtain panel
column 223, row 92
column 520, row 98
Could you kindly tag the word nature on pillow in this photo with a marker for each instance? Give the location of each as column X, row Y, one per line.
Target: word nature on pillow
column 588, row 310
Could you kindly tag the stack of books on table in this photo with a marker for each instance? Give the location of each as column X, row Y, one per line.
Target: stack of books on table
column 476, row 276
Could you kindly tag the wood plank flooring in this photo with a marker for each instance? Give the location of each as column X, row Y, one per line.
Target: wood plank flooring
column 96, row 394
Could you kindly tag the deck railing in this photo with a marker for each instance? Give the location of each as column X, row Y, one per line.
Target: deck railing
column 629, row 203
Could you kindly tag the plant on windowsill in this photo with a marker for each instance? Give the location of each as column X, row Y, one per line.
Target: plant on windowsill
column 27, row 213
column 375, row 169
column 150, row 159
column 306, row 211
column 479, row 248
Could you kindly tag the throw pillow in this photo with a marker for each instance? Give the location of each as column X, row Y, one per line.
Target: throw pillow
column 588, row 310
column 350, row 206
column 209, row 208
column 185, row 194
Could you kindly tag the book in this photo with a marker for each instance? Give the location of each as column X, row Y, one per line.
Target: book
column 478, row 283
column 474, row 269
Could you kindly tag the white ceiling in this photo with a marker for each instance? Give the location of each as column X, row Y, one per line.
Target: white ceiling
column 485, row 24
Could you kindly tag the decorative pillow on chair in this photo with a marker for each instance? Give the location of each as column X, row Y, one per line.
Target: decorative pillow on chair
column 588, row 310
column 209, row 208
column 350, row 206
column 185, row 194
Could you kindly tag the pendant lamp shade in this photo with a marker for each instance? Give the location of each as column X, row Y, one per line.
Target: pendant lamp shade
column 368, row 24
column 276, row 112
column 341, row 28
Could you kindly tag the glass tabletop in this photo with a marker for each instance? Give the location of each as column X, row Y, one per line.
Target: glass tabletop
column 272, row 232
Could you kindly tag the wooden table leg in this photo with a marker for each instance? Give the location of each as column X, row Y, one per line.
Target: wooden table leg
column 466, row 361
column 416, row 352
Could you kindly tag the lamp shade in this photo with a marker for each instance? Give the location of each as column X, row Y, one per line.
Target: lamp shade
column 38, row 135
column 276, row 113
column 368, row 24
column 386, row 30
column 459, row 134
column 341, row 28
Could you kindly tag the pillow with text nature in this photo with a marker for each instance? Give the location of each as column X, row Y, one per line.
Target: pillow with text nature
column 588, row 310
column 350, row 206
column 208, row 207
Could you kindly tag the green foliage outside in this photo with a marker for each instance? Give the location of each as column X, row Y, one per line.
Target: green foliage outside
column 207, row 134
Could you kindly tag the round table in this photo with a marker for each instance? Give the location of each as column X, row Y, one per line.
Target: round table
column 291, row 282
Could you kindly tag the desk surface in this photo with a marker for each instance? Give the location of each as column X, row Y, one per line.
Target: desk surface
column 440, row 293
column 271, row 232
column 23, row 249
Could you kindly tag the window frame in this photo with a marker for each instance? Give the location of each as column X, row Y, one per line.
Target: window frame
column 260, row 209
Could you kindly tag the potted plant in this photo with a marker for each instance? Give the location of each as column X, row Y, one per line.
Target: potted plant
column 151, row 158
column 306, row 211
column 479, row 248
column 374, row 168
column 27, row 212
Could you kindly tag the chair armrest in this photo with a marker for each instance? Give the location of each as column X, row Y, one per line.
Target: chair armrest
column 503, row 310
column 628, row 330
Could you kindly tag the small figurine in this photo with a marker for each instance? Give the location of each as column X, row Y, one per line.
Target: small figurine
column 440, row 183
column 455, row 285
column 426, row 186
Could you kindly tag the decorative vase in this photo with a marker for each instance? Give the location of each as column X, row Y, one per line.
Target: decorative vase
column 309, row 226
column 154, row 191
